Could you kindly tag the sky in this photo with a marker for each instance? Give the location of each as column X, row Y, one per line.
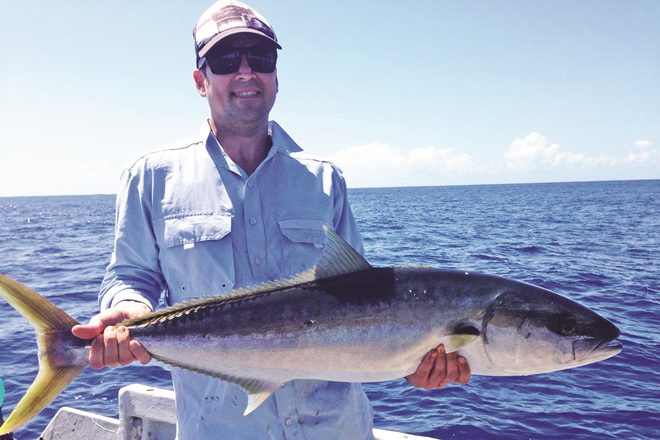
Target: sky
column 396, row 93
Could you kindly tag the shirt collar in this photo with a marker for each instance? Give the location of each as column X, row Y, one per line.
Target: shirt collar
column 281, row 143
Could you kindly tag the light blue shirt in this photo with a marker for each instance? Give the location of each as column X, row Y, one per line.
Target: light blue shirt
column 190, row 222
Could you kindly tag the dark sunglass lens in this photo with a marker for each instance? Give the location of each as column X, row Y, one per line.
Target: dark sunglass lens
column 262, row 62
column 222, row 64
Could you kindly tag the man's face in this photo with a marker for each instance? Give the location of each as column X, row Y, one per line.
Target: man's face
column 243, row 97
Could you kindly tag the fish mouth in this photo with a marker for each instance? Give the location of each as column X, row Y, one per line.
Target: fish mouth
column 614, row 346
column 595, row 349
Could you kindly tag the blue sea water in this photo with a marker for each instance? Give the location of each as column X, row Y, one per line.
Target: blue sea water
column 596, row 242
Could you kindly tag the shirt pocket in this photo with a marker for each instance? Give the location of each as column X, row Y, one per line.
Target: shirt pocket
column 302, row 243
column 197, row 258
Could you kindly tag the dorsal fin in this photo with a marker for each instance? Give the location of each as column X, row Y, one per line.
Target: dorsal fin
column 337, row 258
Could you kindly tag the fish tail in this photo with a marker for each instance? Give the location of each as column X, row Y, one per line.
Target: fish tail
column 52, row 325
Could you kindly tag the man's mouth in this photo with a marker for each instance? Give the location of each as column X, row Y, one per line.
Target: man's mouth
column 246, row 94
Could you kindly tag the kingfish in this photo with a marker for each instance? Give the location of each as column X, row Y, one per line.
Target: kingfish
column 342, row 320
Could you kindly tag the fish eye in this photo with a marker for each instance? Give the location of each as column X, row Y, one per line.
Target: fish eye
column 563, row 325
column 567, row 329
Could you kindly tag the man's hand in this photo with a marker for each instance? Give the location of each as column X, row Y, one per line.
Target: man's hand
column 113, row 346
column 439, row 368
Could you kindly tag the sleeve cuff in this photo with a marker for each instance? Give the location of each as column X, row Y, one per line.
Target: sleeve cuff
column 128, row 295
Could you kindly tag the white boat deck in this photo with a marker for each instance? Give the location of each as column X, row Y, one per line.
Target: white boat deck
column 144, row 413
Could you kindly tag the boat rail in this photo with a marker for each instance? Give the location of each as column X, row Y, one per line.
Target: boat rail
column 144, row 413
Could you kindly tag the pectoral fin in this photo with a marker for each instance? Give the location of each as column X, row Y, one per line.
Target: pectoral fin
column 456, row 341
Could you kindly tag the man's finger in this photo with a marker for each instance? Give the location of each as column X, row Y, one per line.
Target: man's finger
column 464, row 371
column 124, row 352
column 88, row 331
column 97, row 324
column 110, row 353
column 439, row 370
column 139, row 352
column 426, row 366
column 451, row 370
column 83, row 331
column 420, row 377
column 95, row 358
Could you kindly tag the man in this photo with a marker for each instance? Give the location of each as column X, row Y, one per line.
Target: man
column 239, row 205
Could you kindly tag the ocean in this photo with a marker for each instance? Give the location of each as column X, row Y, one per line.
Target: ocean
column 595, row 242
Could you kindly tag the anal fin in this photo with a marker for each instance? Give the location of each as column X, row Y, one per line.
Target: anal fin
column 258, row 392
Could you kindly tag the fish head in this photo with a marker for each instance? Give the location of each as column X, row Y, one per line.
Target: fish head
column 530, row 330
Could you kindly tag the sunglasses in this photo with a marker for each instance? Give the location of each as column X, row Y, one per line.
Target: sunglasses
column 229, row 61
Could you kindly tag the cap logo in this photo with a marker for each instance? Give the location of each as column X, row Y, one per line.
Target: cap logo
column 235, row 16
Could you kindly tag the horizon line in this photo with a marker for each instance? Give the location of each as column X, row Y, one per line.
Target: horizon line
column 384, row 187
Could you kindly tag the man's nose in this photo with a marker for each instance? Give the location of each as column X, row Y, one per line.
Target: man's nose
column 244, row 67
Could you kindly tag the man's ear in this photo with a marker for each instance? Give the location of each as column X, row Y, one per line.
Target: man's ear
column 200, row 82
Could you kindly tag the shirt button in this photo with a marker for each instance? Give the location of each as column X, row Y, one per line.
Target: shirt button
column 257, row 260
column 253, row 221
column 250, row 184
column 288, row 421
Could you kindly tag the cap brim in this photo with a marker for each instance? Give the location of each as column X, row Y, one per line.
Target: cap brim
column 221, row 36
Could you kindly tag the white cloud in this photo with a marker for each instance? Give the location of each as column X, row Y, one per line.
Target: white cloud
column 378, row 164
column 532, row 158
column 526, row 154
column 643, row 153
column 535, row 152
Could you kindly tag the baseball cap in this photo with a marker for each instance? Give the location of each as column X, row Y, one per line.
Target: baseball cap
column 225, row 18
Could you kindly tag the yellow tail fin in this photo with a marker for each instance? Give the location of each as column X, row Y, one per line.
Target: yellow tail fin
column 51, row 325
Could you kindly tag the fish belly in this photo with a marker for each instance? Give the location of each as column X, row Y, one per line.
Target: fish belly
column 357, row 354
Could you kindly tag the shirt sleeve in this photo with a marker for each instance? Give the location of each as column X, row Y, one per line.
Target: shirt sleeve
column 344, row 221
column 134, row 271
